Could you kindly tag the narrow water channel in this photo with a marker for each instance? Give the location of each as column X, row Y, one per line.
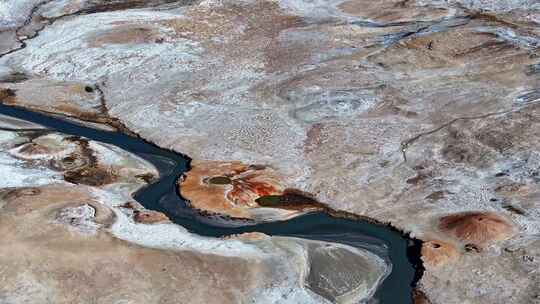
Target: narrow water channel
column 162, row 196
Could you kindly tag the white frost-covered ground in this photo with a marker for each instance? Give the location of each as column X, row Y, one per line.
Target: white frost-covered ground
column 13, row 13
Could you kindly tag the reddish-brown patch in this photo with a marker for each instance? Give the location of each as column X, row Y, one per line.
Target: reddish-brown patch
column 229, row 188
column 92, row 176
column 233, row 188
column 6, row 94
column 131, row 205
column 249, row 236
column 248, row 187
column 438, row 253
column 477, row 228
column 149, row 217
column 419, row 297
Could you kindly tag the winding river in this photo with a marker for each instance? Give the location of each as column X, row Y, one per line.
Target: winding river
column 162, row 196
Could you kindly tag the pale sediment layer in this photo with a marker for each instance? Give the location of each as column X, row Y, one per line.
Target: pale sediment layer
column 408, row 112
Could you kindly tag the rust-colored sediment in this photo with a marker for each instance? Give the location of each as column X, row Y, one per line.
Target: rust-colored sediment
column 477, row 228
column 91, row 175
column 419, row 297
column 436, row 253
column 248, row 236
column 149, row 217
column 6, row 93
column 234, row 188
column 228, row 187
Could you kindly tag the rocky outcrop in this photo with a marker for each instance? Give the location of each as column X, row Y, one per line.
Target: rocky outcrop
column 242, row 191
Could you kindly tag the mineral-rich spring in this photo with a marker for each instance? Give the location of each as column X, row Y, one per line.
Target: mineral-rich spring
column 257, row 151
